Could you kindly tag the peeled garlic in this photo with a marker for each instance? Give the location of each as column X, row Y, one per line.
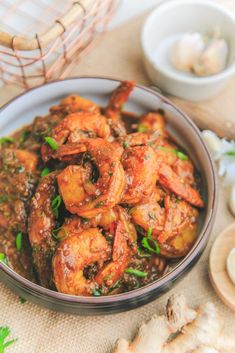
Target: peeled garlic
column 213, row 59
column 213, row 143
column 186, row 51
column 232, row 201
column 231, row 265
column 195, row 53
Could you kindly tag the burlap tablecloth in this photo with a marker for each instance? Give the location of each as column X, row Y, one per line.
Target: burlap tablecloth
column 39, row 330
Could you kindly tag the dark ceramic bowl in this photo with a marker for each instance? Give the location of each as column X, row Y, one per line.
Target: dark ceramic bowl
column 25, row 107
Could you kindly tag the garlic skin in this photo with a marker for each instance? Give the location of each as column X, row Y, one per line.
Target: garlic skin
column 229, row 175
column 213, row 143
column 219, row 149
column 223, row 153
column 195, row 53
column 186, row 51
column 213, row 60
column 231, row 265
column 232, row 201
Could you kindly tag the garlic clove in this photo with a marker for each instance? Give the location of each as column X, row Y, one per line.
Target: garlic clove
column 186, row 51
column 213, row 59
column 231, row 265
column 232, row 201
column 213, row 143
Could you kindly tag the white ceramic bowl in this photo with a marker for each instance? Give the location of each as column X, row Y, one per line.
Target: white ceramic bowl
column 36, row 102
column 182, row 16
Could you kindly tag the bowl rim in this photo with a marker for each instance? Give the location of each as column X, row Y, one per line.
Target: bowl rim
column 178, row 76
column 169, row 276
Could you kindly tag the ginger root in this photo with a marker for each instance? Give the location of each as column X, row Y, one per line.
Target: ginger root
column 181, row 330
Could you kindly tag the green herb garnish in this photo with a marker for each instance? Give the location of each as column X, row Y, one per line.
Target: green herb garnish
column 108, row 277
column 96, row 293
column 178, row 153
column 116, row 285
column 18, row 241
column 45, row 172
column 166, row 149
column 181, row 155
column 4, row 198
column 61, row 236
column 51, row 142
column 137, row 273
column 142, row 128
column 4, row 260
column 230, row 153
column 150, row 244
column 99, row 204
column 126, row 144
column 4, row 333
column 20, row 169
column 55, row 205
column 24, row 136
column 6, row 140
column 22, row 300
column 149, row 233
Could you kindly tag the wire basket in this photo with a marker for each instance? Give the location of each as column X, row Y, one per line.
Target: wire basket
column 43, row 40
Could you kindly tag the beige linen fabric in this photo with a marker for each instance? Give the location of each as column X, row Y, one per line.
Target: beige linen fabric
column 39, row 330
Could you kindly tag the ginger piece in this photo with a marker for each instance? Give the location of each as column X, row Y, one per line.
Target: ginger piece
column 181, row 330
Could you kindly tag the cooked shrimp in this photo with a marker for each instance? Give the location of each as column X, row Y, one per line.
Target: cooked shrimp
column 111, row 272
column 185, row 170
column 149, row 215
column 140, row 165
column 40, row 225
column 167, row 153
column 107, row 219
column 138, row 139
column 73, row 255
column 153, row 122
column 157, row 195
column 107, row 190
column 77, row 125
column 75, row 225
column 179, row 227
column 23, row 158
column 75, row 103
column 170, row 180
column 113, row 110
column 179, row 215
column 124, row 247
